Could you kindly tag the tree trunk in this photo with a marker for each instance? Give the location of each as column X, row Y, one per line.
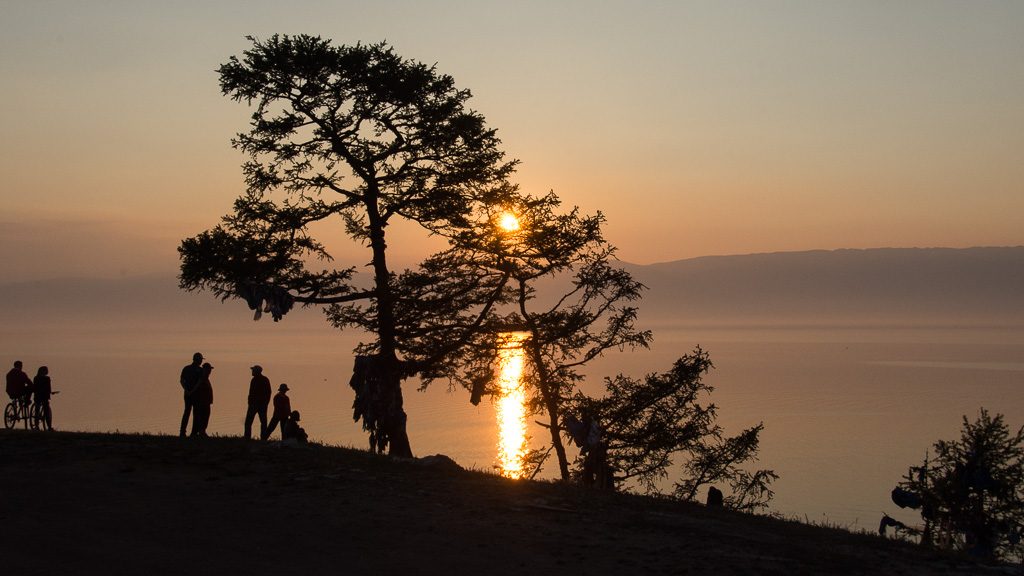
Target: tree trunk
column 395, row 422
column 556, row 439
column 399, row 437
column 543, row 382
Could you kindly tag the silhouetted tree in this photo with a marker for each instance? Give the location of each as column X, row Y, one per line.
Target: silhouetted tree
column 971, row 492
column 654, row 424
column 355, row 136
column 567, row 329
column 582, row 310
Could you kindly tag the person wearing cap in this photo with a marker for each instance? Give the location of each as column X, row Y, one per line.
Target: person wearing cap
column 282, row 409
column 259, row 399
column 190, row 378
column 202, row 401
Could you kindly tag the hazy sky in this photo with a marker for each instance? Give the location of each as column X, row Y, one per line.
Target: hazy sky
column 697, row 127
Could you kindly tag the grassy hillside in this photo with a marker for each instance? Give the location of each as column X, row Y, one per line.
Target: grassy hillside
column 106, row 503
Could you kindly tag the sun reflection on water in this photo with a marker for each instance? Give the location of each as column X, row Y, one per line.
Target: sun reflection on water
column 510, row 407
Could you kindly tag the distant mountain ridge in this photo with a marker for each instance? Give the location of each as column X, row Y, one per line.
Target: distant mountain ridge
column 873, row 285
column 887, row 285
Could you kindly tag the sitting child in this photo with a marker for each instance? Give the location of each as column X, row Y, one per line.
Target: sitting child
column 293, row 430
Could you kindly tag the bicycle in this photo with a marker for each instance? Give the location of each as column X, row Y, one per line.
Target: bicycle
column 38, row 415
column 31, row 414
column 18, row 410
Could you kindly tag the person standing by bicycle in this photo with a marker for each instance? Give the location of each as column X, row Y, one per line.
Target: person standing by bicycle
column 191, row 376
column 41, row 391
column 19, row 385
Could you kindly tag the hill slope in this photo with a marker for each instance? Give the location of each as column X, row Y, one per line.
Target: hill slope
column 96, row 504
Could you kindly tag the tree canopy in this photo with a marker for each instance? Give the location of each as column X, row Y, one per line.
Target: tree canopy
column 353, row 137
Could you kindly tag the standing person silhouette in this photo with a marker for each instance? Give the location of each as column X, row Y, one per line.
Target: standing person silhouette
column 282, row 409
column 202, row 400
column 19, row 385
column 190, row 377
column 41, row 391
column 259, row 399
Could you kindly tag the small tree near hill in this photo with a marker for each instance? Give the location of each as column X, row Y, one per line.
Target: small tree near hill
column 971, row 490
column 659, row 427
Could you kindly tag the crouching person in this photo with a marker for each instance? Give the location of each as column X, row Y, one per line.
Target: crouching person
column 292, row 430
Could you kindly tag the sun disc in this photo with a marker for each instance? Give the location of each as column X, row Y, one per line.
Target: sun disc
column 508, row 222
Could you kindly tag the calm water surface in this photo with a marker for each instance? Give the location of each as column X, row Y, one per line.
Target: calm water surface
column 846, row 410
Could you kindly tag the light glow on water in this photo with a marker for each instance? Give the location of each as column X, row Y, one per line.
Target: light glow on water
column 510, row 406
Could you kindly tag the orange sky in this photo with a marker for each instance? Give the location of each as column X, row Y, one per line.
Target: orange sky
column 697, row 127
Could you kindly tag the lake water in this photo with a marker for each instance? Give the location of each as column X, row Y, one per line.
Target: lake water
column 846, row 409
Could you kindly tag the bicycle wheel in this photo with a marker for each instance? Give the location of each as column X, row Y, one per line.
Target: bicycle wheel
column 43, row 425
column 35, row 419
column 10, row 416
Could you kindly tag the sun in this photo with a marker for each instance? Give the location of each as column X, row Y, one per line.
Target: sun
column 508, row 222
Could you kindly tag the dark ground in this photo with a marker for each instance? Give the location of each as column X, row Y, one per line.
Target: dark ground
column 106, row 504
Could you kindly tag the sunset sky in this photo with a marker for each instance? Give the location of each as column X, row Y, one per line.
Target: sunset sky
column 698, row 128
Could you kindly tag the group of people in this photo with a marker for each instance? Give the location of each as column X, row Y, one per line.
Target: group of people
column 195, row 382
column 25, row 390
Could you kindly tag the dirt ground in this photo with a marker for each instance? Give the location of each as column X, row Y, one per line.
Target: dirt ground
column 82, row 504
